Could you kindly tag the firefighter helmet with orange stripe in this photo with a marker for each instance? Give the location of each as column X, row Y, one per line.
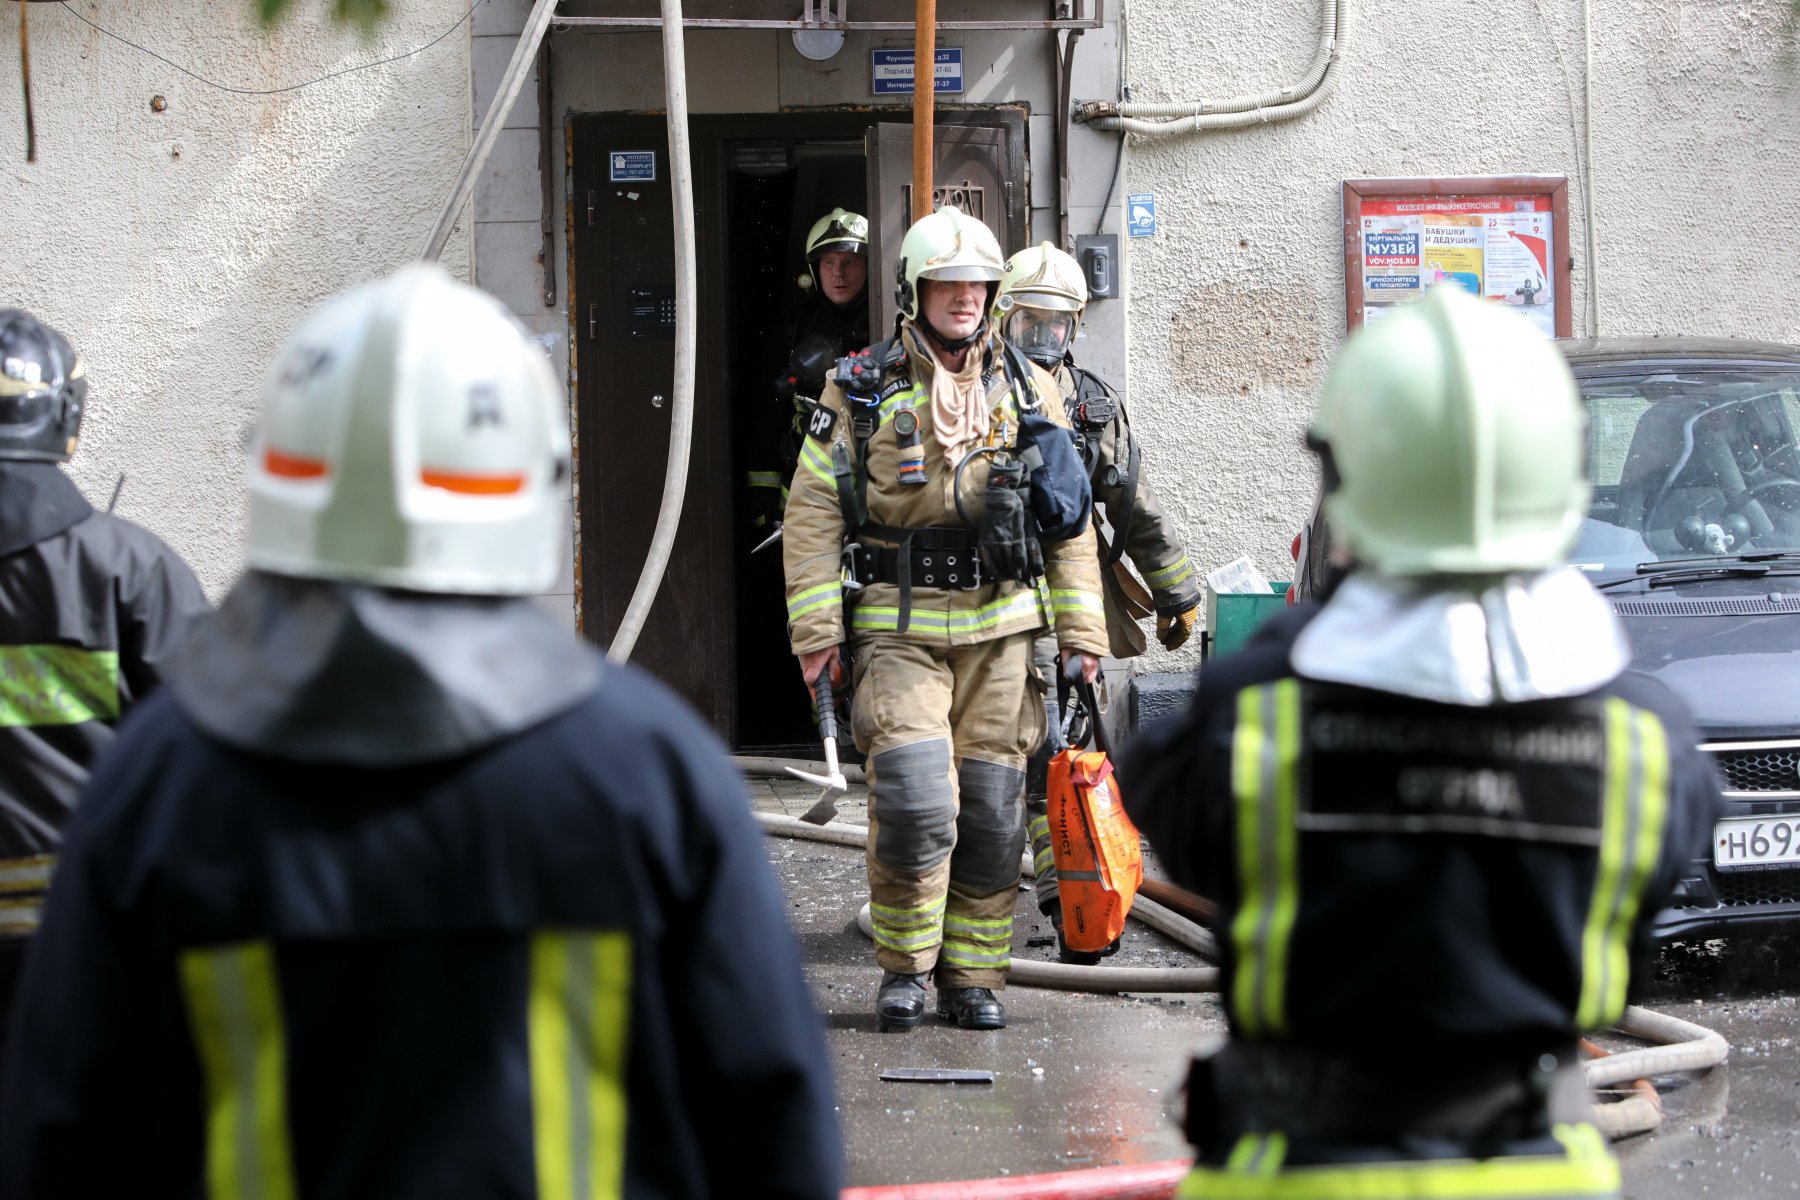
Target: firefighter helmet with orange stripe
column 411, row 436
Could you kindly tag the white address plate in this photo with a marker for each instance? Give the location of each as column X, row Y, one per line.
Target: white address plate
column 1756, row 841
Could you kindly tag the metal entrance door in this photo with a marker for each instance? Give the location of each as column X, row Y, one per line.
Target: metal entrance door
column 623, row 305
column 975, row 168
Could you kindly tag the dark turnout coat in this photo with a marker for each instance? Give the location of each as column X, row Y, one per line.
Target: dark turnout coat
column 91, row 607
column 1421, row 906
column 554, row 966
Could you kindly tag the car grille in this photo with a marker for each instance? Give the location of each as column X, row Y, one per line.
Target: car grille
column 1778, row 886
column 1765, row 767
column 1758, row 771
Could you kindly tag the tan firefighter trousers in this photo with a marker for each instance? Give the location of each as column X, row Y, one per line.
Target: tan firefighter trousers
column 947, row 730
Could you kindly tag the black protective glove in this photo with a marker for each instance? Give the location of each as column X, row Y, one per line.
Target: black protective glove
column 1008, row 543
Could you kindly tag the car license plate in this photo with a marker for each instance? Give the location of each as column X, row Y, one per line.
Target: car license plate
column 1756, row 841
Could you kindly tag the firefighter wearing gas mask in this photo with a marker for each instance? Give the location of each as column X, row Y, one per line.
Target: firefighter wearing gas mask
column 91, row 607
column 829, row 322
column 1042, row 296
column 938, row 521
column 1436, row 813
column 398, row 886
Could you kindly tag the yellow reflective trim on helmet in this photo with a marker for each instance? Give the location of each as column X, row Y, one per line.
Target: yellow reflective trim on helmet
column 578, row 1022
column 233, row 1004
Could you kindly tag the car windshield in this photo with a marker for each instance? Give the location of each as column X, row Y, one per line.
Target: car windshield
column 1690, row 462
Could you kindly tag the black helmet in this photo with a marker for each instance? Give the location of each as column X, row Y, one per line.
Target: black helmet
column 43, row 390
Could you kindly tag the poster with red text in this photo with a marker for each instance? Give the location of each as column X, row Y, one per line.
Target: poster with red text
column 1497, row 247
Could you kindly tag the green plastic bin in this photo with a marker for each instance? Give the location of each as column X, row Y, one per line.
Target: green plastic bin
column 1232, row 617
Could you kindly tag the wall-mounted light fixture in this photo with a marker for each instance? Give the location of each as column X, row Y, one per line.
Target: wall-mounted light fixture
column 821, row 44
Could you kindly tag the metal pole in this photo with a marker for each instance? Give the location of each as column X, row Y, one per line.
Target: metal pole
column 924, row 94
column 524, row 55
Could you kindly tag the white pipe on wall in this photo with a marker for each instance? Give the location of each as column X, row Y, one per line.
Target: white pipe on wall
column 1161, row 119
column 687, row 310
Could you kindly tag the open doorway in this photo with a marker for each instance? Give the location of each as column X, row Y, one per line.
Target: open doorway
column 717, row 633
column 775, row 188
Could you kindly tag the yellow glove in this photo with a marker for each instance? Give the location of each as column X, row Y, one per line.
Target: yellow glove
column 1173, row 629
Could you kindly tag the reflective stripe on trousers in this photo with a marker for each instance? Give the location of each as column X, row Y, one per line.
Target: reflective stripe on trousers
column 1255, row 1171
column 977, row 943
column 908, row 930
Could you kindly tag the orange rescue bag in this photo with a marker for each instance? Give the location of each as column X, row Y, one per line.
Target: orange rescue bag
column 1099, row 862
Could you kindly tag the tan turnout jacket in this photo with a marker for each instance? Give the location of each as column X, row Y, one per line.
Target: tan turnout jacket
column 1068, row 598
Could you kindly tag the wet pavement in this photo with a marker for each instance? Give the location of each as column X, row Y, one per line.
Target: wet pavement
column 1093, row 1080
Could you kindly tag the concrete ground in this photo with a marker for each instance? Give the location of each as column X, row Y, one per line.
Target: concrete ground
column 1088, row 1080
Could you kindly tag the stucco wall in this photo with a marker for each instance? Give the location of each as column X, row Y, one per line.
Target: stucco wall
column 1237, row 303
column 175, row 249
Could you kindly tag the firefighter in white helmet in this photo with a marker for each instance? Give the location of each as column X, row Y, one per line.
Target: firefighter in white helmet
column 1042, row 297
column 1437, row 814
column 916, row 534
column 398, row 886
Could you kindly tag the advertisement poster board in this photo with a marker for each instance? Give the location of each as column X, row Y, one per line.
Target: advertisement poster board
column 1501, row 237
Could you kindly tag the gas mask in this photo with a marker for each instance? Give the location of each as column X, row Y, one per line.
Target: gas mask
column 1042, row 335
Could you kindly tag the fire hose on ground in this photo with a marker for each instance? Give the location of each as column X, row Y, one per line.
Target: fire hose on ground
column 1676, row 1045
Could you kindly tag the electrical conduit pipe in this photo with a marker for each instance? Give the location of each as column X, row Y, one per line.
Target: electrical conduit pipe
column 681, row 413
column 1160, row 119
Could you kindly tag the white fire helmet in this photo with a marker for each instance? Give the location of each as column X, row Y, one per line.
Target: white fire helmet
column 411, row 436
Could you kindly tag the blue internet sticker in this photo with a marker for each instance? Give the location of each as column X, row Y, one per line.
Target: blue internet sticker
column 632, row 166
column 1140, row 214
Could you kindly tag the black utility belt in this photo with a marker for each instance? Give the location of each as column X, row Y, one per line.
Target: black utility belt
column 1255, row 1088
column 934, row 556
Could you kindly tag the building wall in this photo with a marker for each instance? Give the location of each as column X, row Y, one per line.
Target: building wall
column 1237, row 304
column 176, row 249
column 745, row 71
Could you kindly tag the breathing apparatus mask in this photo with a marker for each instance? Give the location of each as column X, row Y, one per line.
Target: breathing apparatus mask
column 1042, row 335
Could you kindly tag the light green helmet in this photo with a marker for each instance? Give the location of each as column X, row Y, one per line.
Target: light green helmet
column 839, row 229
column 1453, row 439
column 946, row 244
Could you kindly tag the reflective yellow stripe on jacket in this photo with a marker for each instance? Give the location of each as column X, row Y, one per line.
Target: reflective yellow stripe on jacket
column 1265, row 754
column 1022, row 605
column 57, row 685
column 234, row 1010
column 580, row 1020
column 1585, row 1171
column 1636, row 809
column 23, row 884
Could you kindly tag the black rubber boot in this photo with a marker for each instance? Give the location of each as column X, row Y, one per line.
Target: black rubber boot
column 901, row 1002
column 971, row 1008
column 1080, row 958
